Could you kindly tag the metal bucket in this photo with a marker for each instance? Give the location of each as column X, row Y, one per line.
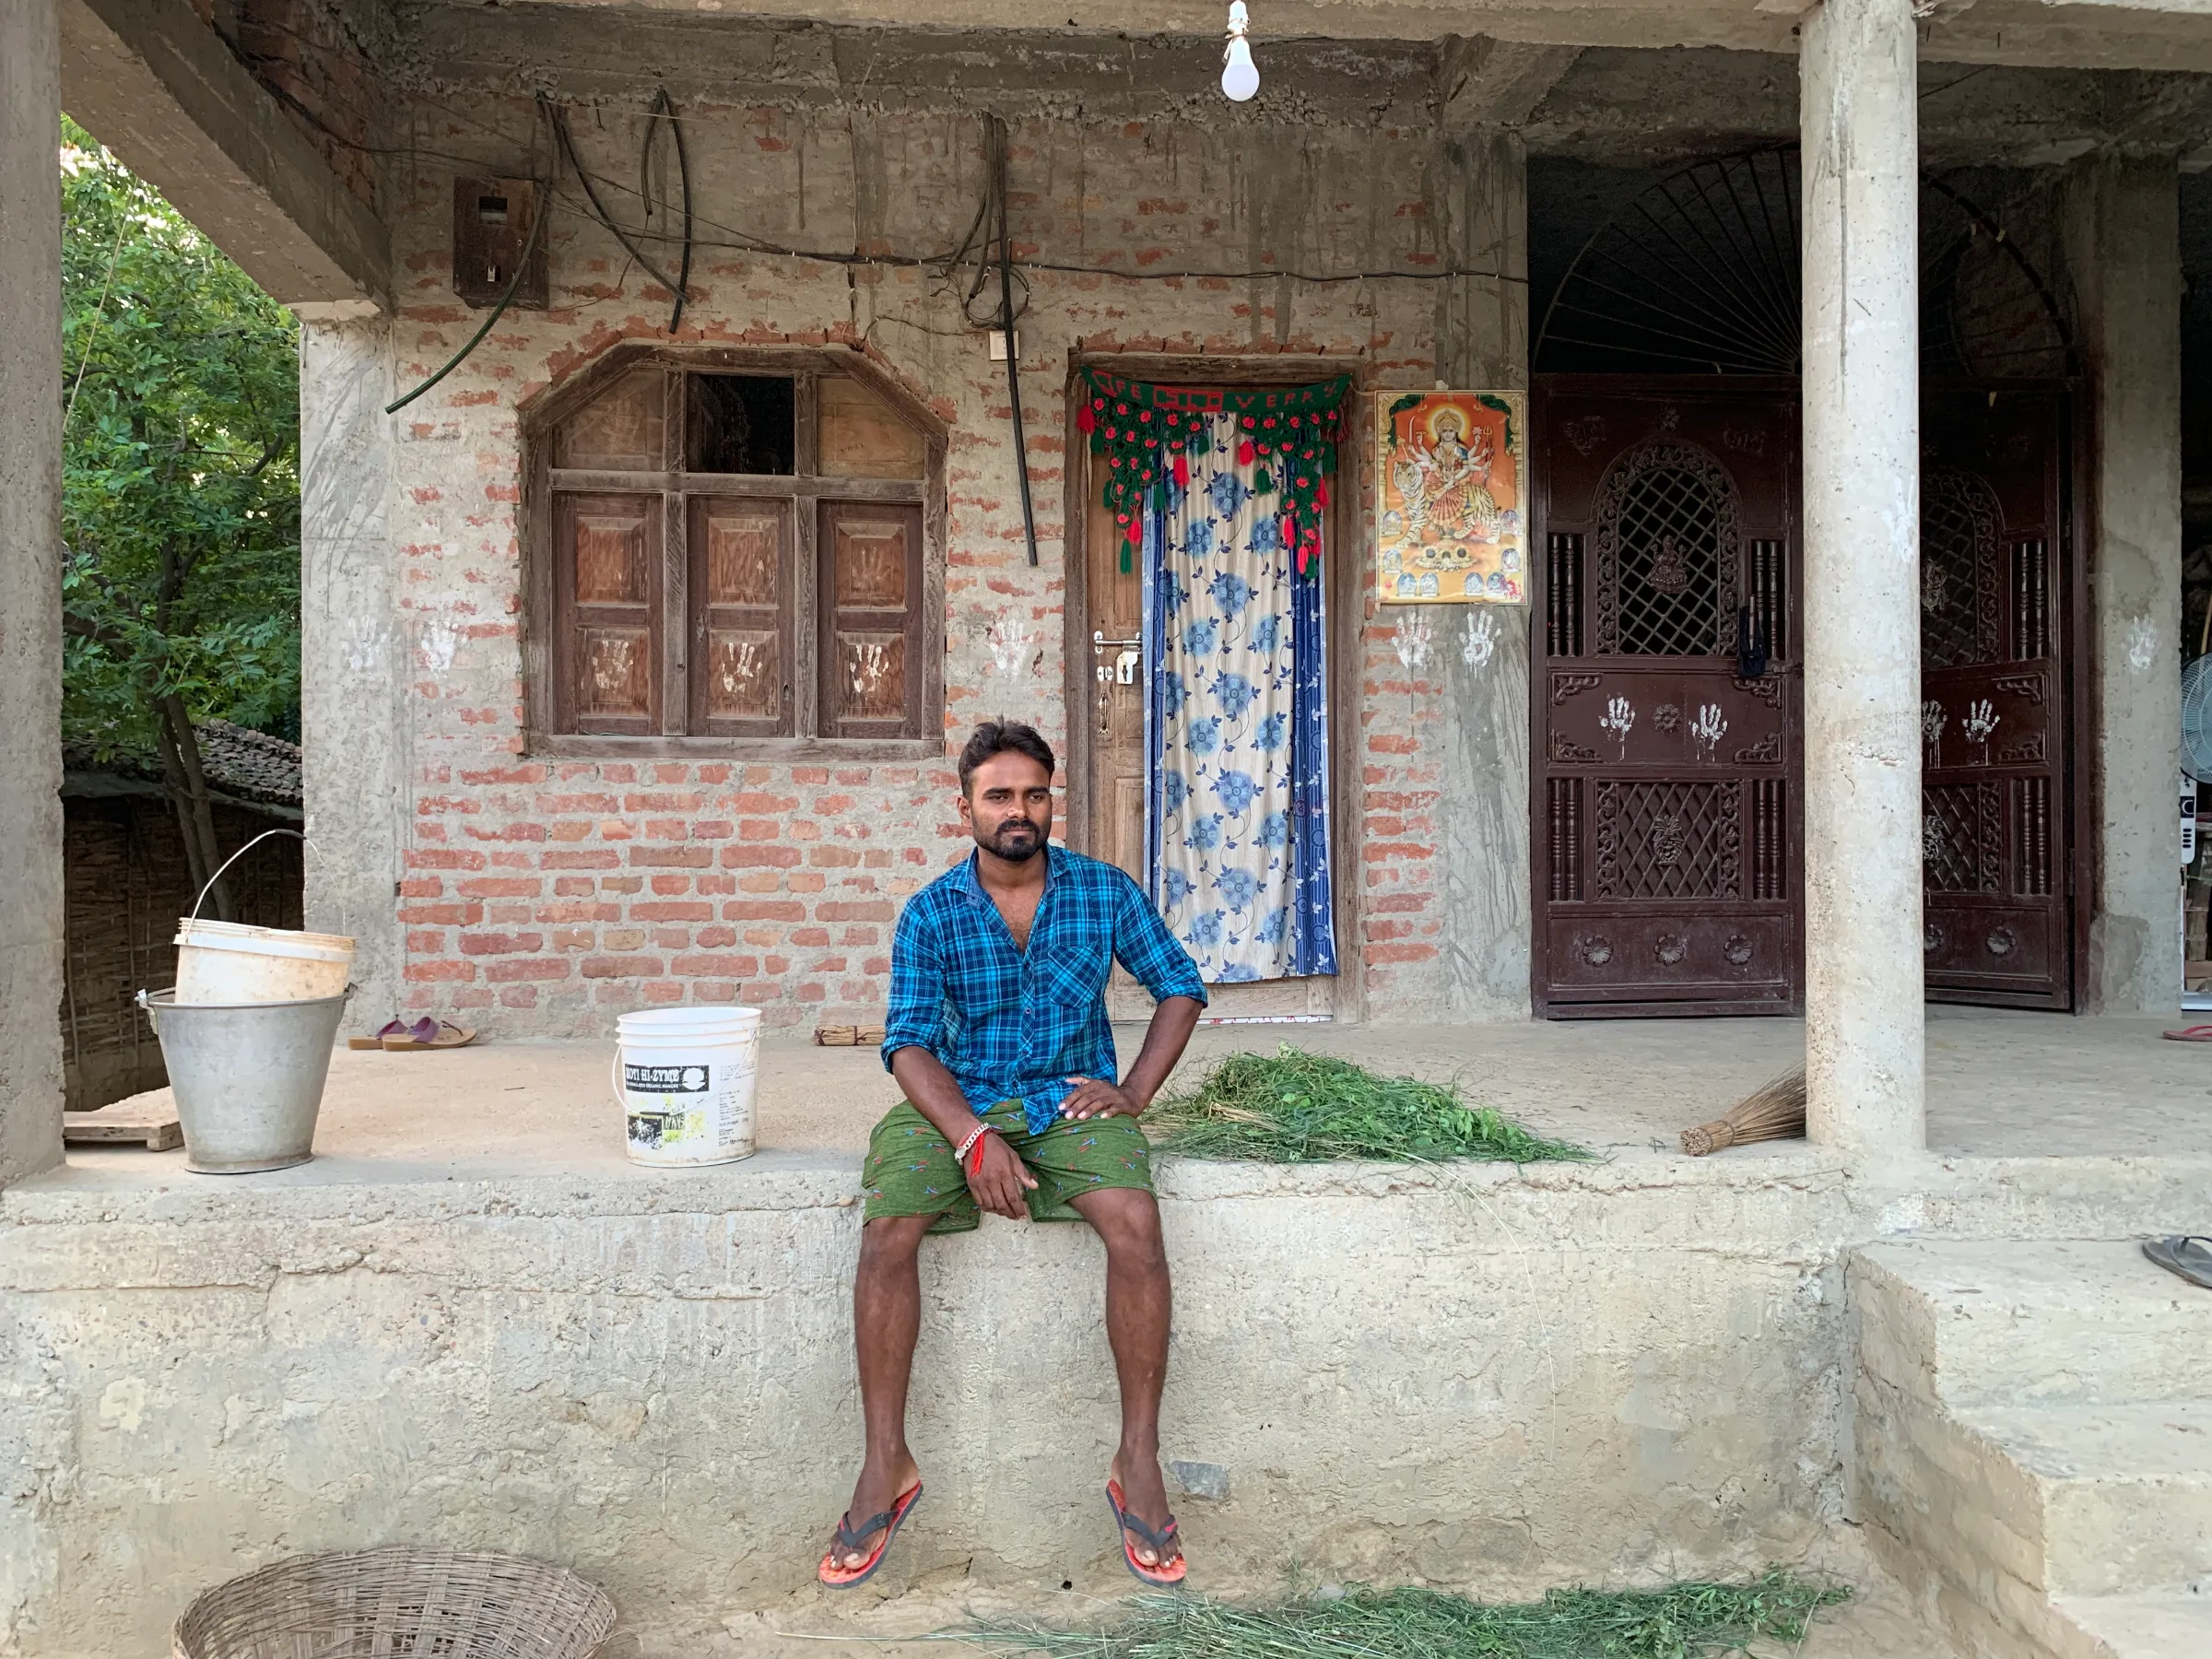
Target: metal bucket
column 248, row 1076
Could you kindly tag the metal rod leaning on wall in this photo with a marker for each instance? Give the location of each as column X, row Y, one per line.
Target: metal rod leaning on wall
column 997, row 148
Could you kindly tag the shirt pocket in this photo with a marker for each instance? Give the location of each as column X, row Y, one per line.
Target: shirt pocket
column 1071, row 976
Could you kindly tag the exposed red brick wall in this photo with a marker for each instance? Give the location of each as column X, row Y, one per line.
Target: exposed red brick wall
column 595, row 885
column 550, row 892
column 302, row 51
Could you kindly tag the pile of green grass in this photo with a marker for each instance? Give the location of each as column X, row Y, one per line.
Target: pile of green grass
column 1295, row 1107
column 1684, row 1621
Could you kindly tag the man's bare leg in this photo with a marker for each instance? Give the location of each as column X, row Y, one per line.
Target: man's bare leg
column 886, row 1320
column 1139, row 1309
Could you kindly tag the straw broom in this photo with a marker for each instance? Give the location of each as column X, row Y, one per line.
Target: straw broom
column 1774, row 1110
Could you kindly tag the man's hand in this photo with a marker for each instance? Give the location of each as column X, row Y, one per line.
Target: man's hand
column 1000, row 1182
column 1094, row 1097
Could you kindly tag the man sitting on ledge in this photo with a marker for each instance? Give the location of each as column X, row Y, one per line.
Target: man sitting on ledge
column 997, row 1033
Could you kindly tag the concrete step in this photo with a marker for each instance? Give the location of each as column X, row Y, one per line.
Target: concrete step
column 2031, row 1321
column 2170, row 1626
column 2123, row 1492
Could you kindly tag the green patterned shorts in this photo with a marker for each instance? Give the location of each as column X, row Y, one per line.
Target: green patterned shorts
column 911, row 1169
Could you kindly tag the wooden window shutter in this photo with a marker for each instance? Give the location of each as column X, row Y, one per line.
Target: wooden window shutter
column 870, row 588
column 741, row 599
column 608, row 597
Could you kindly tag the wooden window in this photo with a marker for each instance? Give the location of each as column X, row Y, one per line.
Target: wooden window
column 738, row 551
column 610, row 646
column 871, row 589
column 741, row 589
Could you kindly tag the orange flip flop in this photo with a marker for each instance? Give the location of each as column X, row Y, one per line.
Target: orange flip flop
column 1166, row 1574
column 849, row 1538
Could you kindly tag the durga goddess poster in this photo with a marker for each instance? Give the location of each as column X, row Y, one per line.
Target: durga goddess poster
column 1451, row 515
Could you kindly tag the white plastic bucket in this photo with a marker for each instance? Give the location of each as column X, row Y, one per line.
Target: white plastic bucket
column 230, row 962
column 684, row 1079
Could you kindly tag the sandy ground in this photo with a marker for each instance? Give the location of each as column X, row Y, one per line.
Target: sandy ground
column 1876, row 1623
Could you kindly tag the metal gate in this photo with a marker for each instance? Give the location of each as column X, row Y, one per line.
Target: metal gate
column 1667, row 805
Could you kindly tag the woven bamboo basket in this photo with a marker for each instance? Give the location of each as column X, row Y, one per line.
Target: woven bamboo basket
column 397, row 1603
column 1774, row 1111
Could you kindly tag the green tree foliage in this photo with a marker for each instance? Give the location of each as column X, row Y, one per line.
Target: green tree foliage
column 181, row 499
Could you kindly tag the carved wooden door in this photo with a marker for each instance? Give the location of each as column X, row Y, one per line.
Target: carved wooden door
column 1666, row 765
column 1994, row 804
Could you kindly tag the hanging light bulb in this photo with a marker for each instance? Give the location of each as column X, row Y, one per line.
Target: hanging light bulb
column 1240, row 74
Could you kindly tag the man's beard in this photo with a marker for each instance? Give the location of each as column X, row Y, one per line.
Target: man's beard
column 1016, row 841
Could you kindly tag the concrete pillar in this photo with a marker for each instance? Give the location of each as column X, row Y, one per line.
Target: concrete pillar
column 2123, row 250
column 30, row 588
column 353, row 658
column 1481, row 206
column 1865, row 1059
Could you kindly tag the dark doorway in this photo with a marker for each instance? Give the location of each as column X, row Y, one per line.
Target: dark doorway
column 1667, row 869
column 1666, row 765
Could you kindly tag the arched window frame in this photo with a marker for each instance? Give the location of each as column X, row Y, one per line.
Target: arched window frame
column 812, row 503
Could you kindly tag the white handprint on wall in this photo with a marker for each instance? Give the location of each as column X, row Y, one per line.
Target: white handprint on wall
column 1620, row 719
column 1708, row 729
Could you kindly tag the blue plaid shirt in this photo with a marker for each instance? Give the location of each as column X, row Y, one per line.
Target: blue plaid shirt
column 1015, row 1025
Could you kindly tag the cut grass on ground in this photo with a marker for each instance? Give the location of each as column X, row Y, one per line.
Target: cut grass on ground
column 1296, row 1107
column 1684, row 1621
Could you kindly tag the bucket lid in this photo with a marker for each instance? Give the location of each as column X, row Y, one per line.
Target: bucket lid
column 239, row 936
column 670, row 1021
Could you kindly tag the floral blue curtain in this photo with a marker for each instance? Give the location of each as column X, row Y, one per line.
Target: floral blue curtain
column 1237, row 724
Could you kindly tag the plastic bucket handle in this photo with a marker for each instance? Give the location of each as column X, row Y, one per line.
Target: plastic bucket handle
column 235, row 857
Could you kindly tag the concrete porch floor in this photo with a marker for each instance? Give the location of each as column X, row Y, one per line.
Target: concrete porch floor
column 2000, row 1085
column 1613, row 1372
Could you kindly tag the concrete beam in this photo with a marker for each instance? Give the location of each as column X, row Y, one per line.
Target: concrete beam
column 1482, row 82
column 30, row 592
column 160, row 88
column 2101, row 34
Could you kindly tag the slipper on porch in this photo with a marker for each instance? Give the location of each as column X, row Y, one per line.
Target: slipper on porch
column 427, row 1033
column 850, row 1536
column 1167, row 1573
column 2184, row 1256
column 2195, row 1033
column 375, row 1040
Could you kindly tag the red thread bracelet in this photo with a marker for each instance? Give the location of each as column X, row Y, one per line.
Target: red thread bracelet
column 975, row 1139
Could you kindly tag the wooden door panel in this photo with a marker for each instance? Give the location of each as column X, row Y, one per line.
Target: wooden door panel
column 1995, row 846
column 1114, row 605
column 1666, row 856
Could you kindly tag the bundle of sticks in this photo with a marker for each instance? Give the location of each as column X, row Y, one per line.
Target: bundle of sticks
column 847, row 1036
column 1774, row 1110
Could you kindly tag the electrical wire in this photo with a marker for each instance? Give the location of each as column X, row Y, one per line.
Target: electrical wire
column 542, row 210
column 683, row 173
column 745, row 241
column 558, row 120
column 995, row 149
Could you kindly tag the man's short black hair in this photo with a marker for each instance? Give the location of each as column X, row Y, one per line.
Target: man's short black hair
column 1005, row 737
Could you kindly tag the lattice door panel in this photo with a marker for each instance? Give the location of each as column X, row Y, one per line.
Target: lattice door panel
column 1994, row 728
column 1961, row 836
column 1959, row 598
column 1664, row 822
column 1667, row 549
column 1670, row 840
